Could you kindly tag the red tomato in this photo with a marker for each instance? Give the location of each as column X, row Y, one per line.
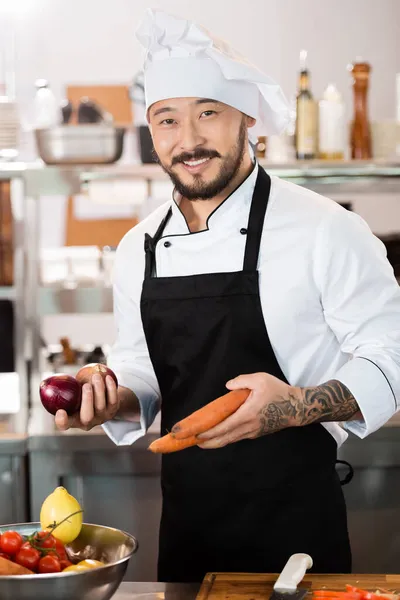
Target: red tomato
column 28, row 558
column 49, row 564
column 44, row 539
column 64, row 564
column 26, row 545
column 11, row 542
column 60, row 549
column 3, row 555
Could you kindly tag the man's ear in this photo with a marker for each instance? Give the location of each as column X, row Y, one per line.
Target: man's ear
column 250, row 121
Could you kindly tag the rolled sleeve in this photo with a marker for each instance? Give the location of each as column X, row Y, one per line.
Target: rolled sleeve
column 361, row 302
column 126, row 433
column 129, row 357
column 373, row 393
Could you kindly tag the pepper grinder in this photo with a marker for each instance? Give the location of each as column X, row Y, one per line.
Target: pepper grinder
column 360, row 138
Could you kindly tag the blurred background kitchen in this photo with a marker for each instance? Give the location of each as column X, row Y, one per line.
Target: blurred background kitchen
column 77, row 172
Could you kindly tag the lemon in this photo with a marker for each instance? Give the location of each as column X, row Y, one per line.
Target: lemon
column 57, row 509
column 90, row 564
column 75, row 568
column 84, row 565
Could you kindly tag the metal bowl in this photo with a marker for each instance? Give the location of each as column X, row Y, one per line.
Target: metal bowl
column 91, row 144
column 112, row 546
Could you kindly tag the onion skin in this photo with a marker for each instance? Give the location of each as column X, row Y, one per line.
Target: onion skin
column 86, row 373
column 61, row 392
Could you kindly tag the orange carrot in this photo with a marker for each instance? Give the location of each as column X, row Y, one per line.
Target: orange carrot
column 167, row 444
column 210, row 415
column 7, row 567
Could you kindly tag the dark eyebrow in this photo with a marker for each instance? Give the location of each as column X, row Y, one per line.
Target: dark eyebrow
column 207, row 101
column 165, row 109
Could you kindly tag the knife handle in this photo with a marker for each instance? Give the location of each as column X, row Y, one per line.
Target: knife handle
column 293, row 572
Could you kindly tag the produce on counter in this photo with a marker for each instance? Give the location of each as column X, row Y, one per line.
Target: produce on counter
column 353, row 593
column 11, row 542
column 184, row 433
column 7, row 567
column 46, row 551
column 61, row 514
column 60, row 392
column 65, row 392
column 85, row 565
column 85, row 374
column 40, row 552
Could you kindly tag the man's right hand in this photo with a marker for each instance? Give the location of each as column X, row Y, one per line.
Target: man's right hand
column 100, row 403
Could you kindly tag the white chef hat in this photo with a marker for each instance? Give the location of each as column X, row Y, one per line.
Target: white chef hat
column 183, row 59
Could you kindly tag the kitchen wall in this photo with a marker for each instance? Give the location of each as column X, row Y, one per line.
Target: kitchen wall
column 83, row 41
column 92, row 41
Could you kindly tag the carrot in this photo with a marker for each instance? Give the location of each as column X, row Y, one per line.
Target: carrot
column 210, row 415
column 10, row 568
column 167, row 444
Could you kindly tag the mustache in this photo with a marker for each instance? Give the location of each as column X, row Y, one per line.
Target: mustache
column 196, row 155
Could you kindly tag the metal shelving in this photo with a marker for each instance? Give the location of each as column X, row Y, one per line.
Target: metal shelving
column 79, row 300
column 8, row 293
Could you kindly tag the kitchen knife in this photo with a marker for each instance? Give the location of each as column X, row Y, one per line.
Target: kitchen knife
column 285, row 587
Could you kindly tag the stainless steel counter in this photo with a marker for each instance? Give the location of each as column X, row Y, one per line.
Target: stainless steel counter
column 156, row 591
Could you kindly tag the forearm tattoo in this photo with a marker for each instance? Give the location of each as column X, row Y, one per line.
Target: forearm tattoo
column 331, row 401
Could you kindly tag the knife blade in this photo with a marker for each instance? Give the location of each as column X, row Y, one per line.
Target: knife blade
column 285, row 587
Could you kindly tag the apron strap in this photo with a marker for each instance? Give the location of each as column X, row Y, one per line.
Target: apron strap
column 150, row 245
column 350, row 473
column 256, row 220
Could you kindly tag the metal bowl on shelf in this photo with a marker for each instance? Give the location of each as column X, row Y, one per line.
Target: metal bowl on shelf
column 112, row 546
column 91, row 144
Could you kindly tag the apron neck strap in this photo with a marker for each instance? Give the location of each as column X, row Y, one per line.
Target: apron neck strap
column 256, row 220
column 150, row 245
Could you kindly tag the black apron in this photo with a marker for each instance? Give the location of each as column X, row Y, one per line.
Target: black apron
column 250, row 505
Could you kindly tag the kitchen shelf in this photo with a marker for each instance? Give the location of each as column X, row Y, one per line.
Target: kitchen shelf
column 79, row 300
column 363, row 176
column 8, row 293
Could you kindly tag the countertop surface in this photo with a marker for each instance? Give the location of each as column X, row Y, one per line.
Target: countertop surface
column 156, row 591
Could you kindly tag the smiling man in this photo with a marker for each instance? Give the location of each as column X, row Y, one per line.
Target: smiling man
column 243, row 281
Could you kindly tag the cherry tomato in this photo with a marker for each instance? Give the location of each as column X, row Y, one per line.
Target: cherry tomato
column 61, row 551
column 11, row 542
column 26, row 545
column 64, row 564
column 28, row 558
column 49, row 564
column 44, row 539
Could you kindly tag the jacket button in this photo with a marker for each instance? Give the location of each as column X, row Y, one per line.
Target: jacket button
column 243, row 231
column 167, row 244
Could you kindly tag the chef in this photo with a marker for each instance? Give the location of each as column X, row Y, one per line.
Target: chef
column 243, row 280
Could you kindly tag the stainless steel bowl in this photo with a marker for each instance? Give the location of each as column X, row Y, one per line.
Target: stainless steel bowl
column 98, row 143
column 109, row 545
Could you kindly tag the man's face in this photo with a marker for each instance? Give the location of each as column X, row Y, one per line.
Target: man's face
column 200, row 143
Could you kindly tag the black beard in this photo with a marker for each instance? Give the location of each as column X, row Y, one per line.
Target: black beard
column 200, row 190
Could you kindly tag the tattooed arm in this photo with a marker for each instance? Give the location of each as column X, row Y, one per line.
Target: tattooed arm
column 274, row 405
column 331, row 401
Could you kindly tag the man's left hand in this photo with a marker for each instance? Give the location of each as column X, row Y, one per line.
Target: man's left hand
column 272, row 405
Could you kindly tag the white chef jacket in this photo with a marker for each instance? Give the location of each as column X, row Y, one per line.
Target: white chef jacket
column 330, row 301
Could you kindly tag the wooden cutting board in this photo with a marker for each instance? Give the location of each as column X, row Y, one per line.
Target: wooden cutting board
column 258, row 586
